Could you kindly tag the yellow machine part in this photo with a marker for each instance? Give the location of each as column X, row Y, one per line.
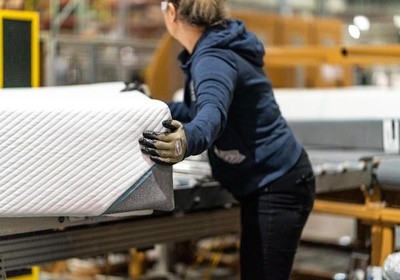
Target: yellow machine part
column 33, row 276
column 32, row 17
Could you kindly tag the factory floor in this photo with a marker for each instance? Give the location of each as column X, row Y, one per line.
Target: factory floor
column 311, row 262
column 314, row 262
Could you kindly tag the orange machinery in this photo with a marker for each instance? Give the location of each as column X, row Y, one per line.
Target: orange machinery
column 338, row 55
column 164, row 76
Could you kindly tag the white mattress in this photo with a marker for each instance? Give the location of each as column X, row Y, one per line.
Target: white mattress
column 73, row 151
column 349, row 103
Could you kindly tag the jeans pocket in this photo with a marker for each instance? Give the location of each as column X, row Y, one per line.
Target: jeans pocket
column 306, row 188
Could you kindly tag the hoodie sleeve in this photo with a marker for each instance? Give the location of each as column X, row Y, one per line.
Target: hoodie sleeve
column 179, row 111
column 214, row 78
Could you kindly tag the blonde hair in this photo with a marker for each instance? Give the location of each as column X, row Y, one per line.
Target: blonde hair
column 201, row 12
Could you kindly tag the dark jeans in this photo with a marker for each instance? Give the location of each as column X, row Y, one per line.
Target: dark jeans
column 272, row 221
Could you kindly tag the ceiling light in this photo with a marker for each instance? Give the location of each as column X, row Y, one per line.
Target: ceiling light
column 354, row 31
column 362, row 22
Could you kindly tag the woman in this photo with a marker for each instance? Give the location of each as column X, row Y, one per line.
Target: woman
column 229, row 109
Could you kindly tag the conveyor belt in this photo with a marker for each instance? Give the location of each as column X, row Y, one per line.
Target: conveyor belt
column 17, row 251
column 338, row 170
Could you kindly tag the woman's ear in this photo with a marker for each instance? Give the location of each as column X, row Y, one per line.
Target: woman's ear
column 172, row 10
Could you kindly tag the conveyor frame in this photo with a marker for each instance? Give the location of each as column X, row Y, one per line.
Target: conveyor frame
column 21, row 250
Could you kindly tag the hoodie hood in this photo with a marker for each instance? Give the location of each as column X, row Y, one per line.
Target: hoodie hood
column 231, row 35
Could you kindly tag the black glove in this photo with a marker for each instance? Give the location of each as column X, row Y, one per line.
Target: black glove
column 136, row 85
column 165, row 147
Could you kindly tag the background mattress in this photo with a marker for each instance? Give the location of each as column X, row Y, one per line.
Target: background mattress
column 348, row 103
column 73, row 151
column 343, row 129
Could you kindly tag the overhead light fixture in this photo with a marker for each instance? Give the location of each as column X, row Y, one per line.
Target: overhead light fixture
column 354, row 31
column 396, row 21
column 362, row 22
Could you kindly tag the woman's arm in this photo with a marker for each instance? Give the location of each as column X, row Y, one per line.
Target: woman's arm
column 214, row 79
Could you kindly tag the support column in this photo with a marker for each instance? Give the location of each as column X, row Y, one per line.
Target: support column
column 382, row 242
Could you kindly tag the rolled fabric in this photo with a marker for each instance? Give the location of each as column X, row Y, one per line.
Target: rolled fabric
column 388, row 172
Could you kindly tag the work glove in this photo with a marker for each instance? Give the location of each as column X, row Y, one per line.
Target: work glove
column 137, row 85
column 165, row 147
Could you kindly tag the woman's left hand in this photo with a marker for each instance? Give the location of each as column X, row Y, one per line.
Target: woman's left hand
column 165, row 147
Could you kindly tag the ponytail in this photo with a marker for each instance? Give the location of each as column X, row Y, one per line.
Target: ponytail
column 201, row 12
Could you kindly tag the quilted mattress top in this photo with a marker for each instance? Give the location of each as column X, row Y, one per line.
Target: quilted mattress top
column 72, row 150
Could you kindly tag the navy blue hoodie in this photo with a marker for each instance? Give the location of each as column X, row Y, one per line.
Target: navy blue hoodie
column 229, row 108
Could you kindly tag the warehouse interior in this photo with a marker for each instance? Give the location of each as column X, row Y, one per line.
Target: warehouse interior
column 335, row 69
